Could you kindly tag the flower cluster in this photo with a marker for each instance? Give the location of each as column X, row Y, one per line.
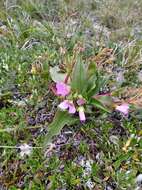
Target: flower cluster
column 72, row 106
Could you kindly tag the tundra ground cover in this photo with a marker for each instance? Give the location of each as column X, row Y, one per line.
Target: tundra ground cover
column 38, row 39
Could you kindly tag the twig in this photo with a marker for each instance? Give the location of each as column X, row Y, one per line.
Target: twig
column 16, row 147
column 16, row 128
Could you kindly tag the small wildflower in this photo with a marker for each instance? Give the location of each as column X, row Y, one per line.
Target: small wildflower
column 62, row 89
column 81, row 113
column 120, row 77
column 25, row 150
column 67, row 105
column 63, row 105
column 124, row 108
column 72, row 108
column 89, row 165
column 62, row 50
column 90, row 184
column 81, row 101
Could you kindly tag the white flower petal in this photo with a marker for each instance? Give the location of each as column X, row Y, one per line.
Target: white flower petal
column 25, row 149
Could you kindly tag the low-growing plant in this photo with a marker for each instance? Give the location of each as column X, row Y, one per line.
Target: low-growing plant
column 78, row 89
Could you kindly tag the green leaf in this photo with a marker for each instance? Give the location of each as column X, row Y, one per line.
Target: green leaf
column 79, row 77
column 106, row 101
column 121, row 158
column 95, row 82
column 91, row 69
column 56, row 74
column 61, row 119
column 91, row 86
column 99, row 105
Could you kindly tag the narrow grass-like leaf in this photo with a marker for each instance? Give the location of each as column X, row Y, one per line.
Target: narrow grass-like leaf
column 99, row 105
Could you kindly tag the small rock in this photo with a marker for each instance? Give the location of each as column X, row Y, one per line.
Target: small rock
column 140, row 76
column 139, row 180
column 109, row 188
column 120, row 78
column 114, row 139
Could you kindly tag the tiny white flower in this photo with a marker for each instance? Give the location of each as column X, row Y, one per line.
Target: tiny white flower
column 5, row 66
column 138, row 139
column 89, row 165
column 25, row 149
column 82, row 162
column 85, row 173
column 120, row 77
column 137, row 188
column 109, row 188
column 132, row 135
column 128, row 172
column 89, row 184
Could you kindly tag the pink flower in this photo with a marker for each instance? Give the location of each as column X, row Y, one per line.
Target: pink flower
column 81, row 114
column 124, row 108
column 81, row 101
column 63, row 105
column 67, row 105
column 62, row 89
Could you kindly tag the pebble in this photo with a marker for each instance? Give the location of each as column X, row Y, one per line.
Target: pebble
column 139, row 179
column 140, row 76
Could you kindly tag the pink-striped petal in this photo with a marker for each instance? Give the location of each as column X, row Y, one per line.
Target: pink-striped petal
column 63, row 105
column 81, row 101
column 62, row 89
column 72, row 108
column 124, row 108
column 81, row 114
column 67, row 105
